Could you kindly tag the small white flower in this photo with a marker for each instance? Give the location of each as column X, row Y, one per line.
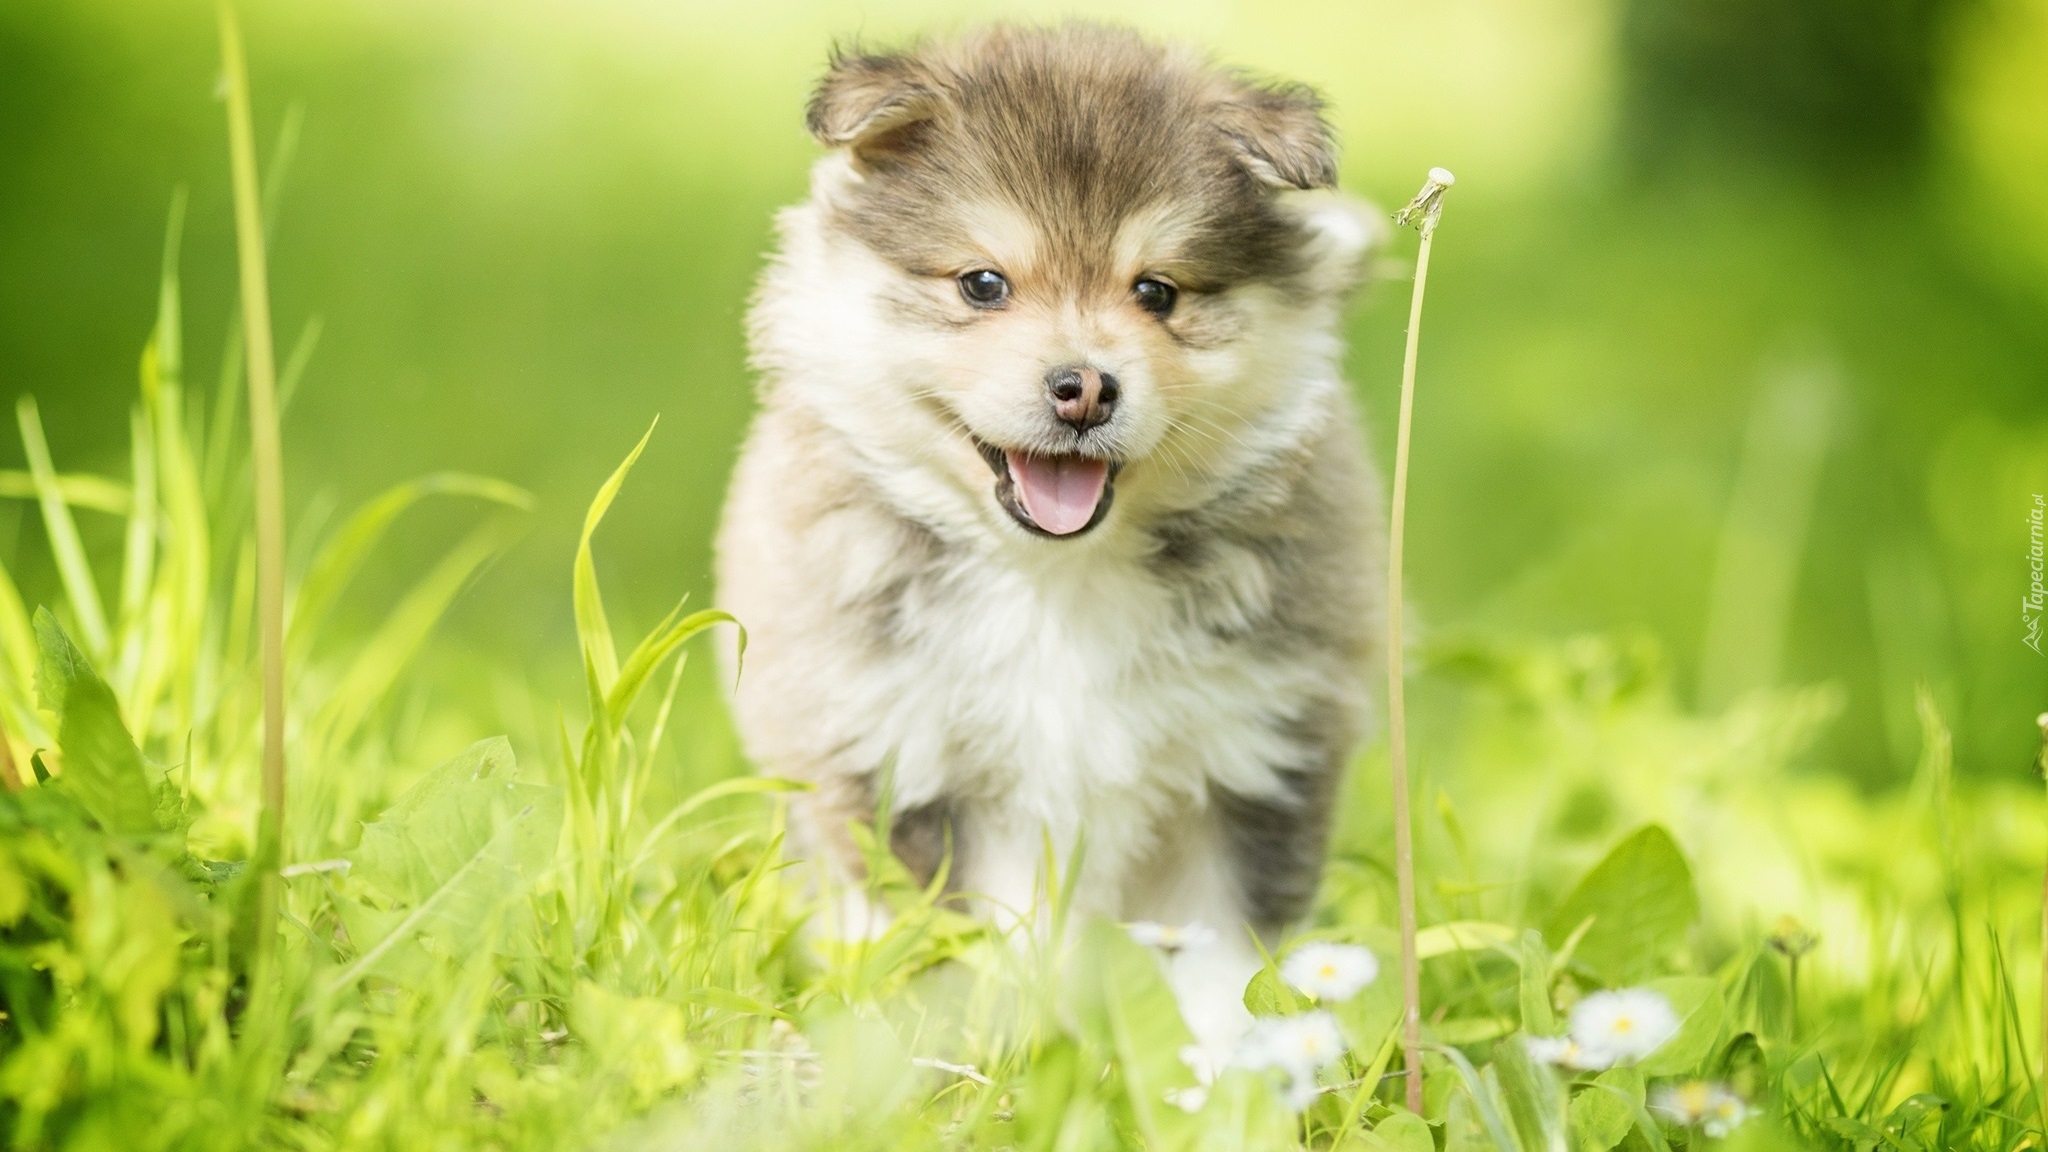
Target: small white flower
column 1623, row 1026
column 1205, row 1062
column 1297, row 1045
column 1301, row 1092
column 1188, row 1099
column 1564, row 1052
column 1173, row 938
column 1709, row 1107
column 1330, row 972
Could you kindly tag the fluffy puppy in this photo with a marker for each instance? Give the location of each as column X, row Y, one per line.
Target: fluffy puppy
column 1055, row 512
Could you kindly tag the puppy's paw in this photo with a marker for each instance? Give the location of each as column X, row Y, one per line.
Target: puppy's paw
column 1209, row 984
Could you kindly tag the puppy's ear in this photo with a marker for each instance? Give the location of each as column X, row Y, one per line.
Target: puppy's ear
column 1280, row 134
column 1339, row 236
column 868, row 102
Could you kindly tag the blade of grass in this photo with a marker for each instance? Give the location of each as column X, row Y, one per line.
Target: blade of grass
column 650, row 652
column 268, row 452
column 295, row 364
column 78, row 489
column 217, row 450
column 18, row 647
column 342, row 554
column 138, row 562
column 10, row 776
column 405, row 628
column 173, row 634
column 1425, row 210
column 179, row 604
column 591, row 626
column 73, row 569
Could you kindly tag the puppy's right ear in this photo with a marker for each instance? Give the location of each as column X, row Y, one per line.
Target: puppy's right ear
column 871, row 104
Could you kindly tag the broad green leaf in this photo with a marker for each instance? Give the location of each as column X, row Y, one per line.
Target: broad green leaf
column 643, row 1040
column 1268, row 995
column 102, row 766
column 368, row 927
column 1603, row 1112
column 1641, row 902
column 1701, row 1010
column 59, row 664
column 454, row 849
column 1119, row 1001
column 1403, row 1131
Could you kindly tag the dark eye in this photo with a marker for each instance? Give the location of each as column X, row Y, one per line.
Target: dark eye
column 984, row 288
column 1155, row 296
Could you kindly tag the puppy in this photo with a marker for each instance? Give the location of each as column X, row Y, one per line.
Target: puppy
column 1055, row 514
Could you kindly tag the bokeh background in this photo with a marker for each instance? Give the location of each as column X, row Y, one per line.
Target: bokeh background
column 1737, row 345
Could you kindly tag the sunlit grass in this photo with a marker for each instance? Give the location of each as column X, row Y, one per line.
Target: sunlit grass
column 547, row 944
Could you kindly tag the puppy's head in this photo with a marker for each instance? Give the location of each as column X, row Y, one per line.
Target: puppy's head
column 1048, row 264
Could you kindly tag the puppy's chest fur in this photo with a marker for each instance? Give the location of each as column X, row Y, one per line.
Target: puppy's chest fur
column 1112, row 686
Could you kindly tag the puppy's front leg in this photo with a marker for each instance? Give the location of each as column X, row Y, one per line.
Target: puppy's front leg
column 1193, row 880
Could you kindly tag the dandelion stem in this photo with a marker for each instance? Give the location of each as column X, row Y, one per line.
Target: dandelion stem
column 267, row 449
column 1424, row 211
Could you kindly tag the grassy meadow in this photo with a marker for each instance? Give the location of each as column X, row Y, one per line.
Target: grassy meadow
column 1733, row 405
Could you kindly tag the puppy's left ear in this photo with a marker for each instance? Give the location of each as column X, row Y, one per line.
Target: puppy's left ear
column 1280, row 134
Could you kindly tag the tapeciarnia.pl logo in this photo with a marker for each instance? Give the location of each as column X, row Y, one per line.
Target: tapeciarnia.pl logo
column 2037, row 596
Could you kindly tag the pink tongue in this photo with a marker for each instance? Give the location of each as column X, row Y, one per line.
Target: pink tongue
column 1059, row 493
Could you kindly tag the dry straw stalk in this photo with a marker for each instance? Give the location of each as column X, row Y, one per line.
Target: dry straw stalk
column 1423, row 212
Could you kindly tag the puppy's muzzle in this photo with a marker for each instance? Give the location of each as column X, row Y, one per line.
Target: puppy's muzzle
column 1082, row 397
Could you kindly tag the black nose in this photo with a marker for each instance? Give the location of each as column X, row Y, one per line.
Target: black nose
column 1082, row 397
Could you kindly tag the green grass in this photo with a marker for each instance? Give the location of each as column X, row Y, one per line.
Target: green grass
column 591, row 936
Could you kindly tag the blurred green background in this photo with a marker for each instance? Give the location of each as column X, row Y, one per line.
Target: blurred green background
column 1737, row 341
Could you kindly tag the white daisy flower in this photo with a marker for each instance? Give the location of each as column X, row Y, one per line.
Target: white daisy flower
column 1171, row 937
column 1190, row 1099
column 1330, row 972
column 1205, row 1062
column 1700, row 1104
column 1564, row 1052
column 1623, row 1026
column 1297, row 1045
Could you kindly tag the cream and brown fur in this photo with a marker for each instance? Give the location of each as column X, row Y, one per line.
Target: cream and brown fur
column 1180, row 683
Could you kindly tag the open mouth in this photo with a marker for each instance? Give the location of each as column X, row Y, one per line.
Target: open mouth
column 1057, row 495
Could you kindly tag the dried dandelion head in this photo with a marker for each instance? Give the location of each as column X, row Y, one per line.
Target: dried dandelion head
column 1428, row 205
